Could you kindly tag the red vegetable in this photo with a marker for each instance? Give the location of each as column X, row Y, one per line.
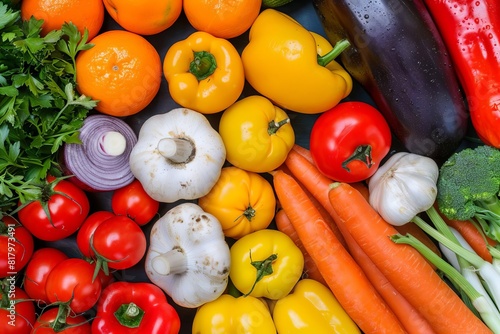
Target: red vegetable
column 126, row 307
column 348, row 141
column 58, row 213
column 101, row 161
column 16, row 246
column 87, row 229
column 134, row 202
column 17, row 311
column 47, row 323
column 471, row 31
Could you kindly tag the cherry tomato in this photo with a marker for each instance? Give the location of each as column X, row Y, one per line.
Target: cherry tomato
column 120, row 241
column 18, row 317
column 348, row 142
column 133, row 202
column 72, row 279
column 16, row 246
column 68, row 207
column 45, row 324
column 87, row 229
column 38, row 268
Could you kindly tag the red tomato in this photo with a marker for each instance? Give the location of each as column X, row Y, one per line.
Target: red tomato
column 16, row 246
column 348, row 142
column 72, row 279
column 68, row 207
column 133, row 201
column 17, row 317
column 120, row 241
column 73, row 325
column 87, row 229
column 38, row 268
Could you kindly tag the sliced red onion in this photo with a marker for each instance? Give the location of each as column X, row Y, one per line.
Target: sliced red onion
column 101, row 161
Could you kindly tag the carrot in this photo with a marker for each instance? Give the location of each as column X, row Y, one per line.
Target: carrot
column 342, row 274
column 472, row 234
column 303, row 152
column 284, row 225
column 417, row 232
column 404, row 266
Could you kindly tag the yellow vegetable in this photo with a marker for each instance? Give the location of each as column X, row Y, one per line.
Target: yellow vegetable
column 311, row 308
column 281, row 62
column 204, row 73
column 257, row 134
column 228, row 314
column 242, row 201
column 265, row 263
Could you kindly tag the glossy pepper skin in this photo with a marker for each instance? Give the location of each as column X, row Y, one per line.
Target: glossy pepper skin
column 281, row 63
column 228, row 314
column 242, row 201
column 311, row 308
column 204, row 73
column 134, row 307
column 256, row 133
column 265, row 263
column 471, row 32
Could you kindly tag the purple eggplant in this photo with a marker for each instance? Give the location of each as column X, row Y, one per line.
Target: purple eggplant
column 399, row 58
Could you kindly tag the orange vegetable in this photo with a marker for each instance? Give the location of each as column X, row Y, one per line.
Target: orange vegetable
column 342, row 274
column 284, row 225
column 402, row 264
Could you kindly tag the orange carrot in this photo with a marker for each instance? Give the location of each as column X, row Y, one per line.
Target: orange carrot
column 342, row 274
column 403, row 265
column 303, row 152
column 284, row 225
column 417, row 232
column 410, row 317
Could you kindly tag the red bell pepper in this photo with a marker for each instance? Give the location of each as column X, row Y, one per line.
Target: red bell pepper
column 471, row 32
column 135, row 307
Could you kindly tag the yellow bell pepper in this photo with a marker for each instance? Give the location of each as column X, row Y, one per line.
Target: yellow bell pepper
column 265, row 263
column 242, row 201
column 311, row 308
column 204, row 73
column 228, row 314
column 257, row 134
column 281, row 62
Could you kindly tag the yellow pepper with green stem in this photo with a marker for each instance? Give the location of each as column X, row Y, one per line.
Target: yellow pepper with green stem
column 281, row 62
column 204, row 73
column 311, row 308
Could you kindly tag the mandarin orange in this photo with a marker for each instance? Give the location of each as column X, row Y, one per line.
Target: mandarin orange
column 83, row 14
column 222, row 18
column 144, row 18
column 123, row 71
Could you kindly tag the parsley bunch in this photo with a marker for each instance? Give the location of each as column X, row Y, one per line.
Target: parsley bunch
column 39, row 107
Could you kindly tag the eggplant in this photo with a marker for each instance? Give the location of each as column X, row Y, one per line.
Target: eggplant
column 398, row 56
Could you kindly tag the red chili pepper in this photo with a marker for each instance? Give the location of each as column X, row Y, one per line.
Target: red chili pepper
column 135, row 307
column 471, row 32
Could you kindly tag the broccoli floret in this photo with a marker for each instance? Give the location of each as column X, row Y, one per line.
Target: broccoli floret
column 468, row 187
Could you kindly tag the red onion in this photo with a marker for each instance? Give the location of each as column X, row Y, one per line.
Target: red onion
column 101, row 161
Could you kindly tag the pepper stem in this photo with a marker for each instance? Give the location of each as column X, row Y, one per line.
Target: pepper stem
column 171, row 262
column 339, row 47
column 176, row 150
column 362, row 153
column 264, row 268
column 274, row 126
column 203, row 65
column 129, row 315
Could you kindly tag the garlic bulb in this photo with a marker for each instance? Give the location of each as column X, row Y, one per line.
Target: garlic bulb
column 403, row 186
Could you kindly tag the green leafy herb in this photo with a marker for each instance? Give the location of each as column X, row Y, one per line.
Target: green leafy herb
column 40, row 109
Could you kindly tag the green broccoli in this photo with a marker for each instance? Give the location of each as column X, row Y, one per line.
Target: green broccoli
column 468, row 188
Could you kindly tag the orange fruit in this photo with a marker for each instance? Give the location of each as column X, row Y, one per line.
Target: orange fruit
column 122, row 70
column 82, row 13
column 144, row 18
column 222, row 18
